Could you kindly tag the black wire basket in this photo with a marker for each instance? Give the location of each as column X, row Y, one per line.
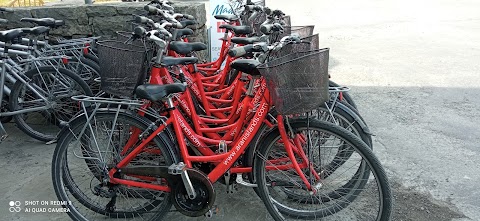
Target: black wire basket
column 288, row 20
column 122, row 67
column 298, row 82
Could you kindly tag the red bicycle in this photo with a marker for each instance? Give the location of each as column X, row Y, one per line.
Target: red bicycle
column 100, row 165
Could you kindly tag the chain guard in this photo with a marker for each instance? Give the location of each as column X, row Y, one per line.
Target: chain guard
column 204, row 200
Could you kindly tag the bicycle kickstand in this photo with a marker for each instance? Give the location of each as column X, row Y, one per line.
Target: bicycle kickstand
column 3, row 133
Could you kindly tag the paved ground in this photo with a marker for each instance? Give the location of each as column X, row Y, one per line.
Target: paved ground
column 414, row 70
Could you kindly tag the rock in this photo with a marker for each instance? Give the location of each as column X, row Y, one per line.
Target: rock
column 107, row 26
column 73, row 13
column 101, row 10
column 104, row 19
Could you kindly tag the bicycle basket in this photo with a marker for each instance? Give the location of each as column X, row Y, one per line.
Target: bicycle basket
column 122, row 67
column 309, row 43
column 288, row 20
column 297, row 82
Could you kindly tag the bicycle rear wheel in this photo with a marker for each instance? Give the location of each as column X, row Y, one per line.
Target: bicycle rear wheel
column 58, row 85
column 79, row 173
column 356, row 190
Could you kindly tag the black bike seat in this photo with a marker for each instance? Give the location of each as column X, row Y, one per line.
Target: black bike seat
column 9, row 35
column 186, row 23
column 156, row 92
column 247, row 66
column 227, row 17
column 36, row 30
column 49, row 22
column 239, row 30
column 171, row 61
column 185, row 48
column 245, row 40
column 179, row 33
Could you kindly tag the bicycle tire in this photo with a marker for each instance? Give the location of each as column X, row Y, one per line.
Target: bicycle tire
column 349, row 122
column 92, row 57
column 63, row 181
column 17, row 95
column 342, row 155
column 278, row 210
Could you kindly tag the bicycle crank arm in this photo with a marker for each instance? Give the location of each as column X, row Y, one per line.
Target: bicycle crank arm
column 172, row 174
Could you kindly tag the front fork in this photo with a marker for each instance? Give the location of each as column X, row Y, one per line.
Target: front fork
column 296, row 147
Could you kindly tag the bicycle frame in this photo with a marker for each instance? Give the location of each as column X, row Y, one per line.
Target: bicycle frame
column 224, row 161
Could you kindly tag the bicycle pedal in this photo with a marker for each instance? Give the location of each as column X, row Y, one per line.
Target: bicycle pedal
column 176, row 169
column 3, row 137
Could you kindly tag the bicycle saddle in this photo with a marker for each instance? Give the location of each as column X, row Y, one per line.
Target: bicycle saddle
column 227, row 17
column 184, row 48
column 239, row 30
column 245, row 40
column 49, row 22
column 247, row 66
column 156, row 92
column 186, row 23
column 9, row 35
column 36, row 31
column 179, row 33
column 171, row 61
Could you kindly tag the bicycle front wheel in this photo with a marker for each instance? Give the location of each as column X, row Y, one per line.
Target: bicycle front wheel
column 356, row 190
column 57, row 85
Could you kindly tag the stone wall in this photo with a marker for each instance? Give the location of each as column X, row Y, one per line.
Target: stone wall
column 101, row 19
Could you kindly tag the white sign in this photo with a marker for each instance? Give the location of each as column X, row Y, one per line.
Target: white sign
column 221, row 7
column 217, row 7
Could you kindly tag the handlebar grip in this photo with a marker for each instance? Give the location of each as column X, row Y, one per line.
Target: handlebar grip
column 189, row 17
column 140, row 31
column 177, row 25
column 151, row 9
column 141, row 19
column 166, row 33
column 253, row 16
column 240, row 51
column 268, row 28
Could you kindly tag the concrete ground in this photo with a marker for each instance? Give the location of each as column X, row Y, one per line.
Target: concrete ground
column 414, row 70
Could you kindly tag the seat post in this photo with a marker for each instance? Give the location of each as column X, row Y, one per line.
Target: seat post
column 170, row 104
column 251, row 85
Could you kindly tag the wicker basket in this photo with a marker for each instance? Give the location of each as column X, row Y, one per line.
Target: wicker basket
column 122, row 67
column 298, row 82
